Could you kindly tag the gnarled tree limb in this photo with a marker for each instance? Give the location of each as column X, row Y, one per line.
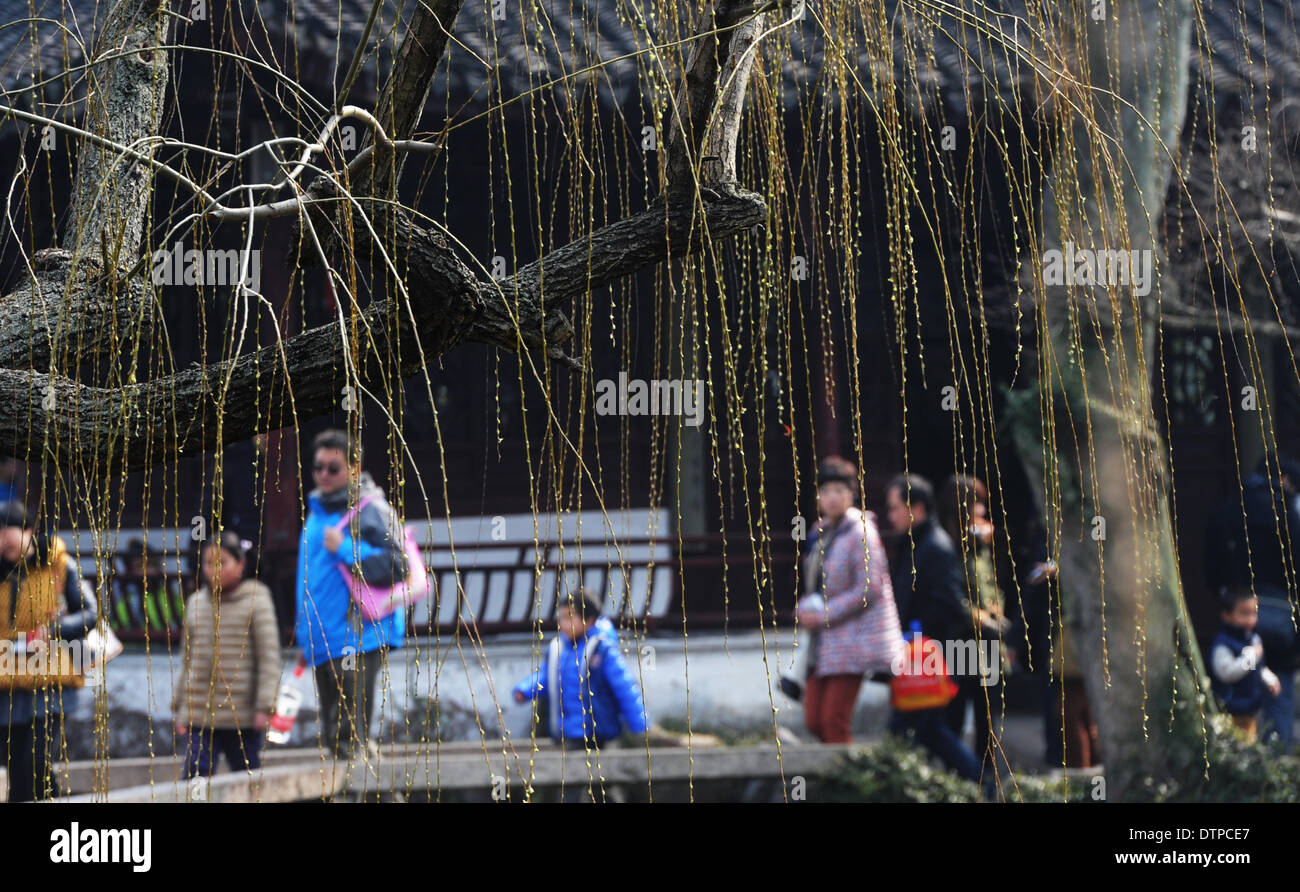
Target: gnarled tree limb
column 444, row 303
column 75, row 306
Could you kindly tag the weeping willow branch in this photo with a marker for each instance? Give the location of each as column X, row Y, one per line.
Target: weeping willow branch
column 672, row 228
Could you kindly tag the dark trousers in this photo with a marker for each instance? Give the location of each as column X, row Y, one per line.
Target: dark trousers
column 986, row 704
column 1040, row 617
column 933, row 733
column 346, row 689
column 955, row 712
column 27, row 750
column 1049, row 692
column 828, row 703
column 242, row 749
column 1275, row 630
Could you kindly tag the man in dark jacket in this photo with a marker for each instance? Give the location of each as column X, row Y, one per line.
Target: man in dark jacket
column 42, row 599
column 1252, row 541
column 929, row 588
column 929, row 584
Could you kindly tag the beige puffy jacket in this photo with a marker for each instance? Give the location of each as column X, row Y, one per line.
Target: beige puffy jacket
column 231, row 668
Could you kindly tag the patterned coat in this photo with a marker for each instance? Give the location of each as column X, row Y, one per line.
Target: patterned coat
column 859, row 633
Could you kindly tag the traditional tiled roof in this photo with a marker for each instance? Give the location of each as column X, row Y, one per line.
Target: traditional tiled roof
column 1252, row 42
column 549, row 40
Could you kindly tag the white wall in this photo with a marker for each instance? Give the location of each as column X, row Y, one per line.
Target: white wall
column 728, row 686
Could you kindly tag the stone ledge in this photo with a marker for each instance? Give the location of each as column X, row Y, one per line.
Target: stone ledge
column 458, row 768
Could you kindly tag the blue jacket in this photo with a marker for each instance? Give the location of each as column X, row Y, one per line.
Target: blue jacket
column 326, row 626
column 18, row 707
column 1245, row 696
column 598, row 695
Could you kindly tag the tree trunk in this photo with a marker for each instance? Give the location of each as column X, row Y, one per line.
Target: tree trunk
column 1114, row 528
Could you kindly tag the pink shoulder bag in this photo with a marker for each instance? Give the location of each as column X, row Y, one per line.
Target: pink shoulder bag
column 375, row 602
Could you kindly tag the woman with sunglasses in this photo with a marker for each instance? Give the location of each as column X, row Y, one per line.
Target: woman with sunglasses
column 345, row 649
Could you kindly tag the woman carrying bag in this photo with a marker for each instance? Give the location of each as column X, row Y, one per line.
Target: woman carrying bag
column 849, row 606
column 43, row 608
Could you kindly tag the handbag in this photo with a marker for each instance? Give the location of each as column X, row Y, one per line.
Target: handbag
column 378, row 602
column 922, row 681
column 29, row 658
column 793, row 680
column 103, row 646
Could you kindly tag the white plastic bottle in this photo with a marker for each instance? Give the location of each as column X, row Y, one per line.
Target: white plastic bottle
column 286, row 708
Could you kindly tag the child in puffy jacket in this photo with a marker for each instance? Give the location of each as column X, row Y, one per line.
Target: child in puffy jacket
column 230, row 671
column 1240, row 677
column 590, row 695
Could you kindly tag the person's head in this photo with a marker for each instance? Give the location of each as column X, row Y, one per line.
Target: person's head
column 1290, row 474
column 224, row 561
column 140, row 565
column 577, row 612
column 909, row 500
column 1280, row 468
column 1239, row 607
column 837, row 486
column 335, row 461
column 15, row 532
column 961, row 502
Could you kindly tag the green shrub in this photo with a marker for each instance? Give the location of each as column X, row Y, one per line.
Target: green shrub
column 1237, row 771
column 895, row 771
column 890, row 771
column 1047, row 788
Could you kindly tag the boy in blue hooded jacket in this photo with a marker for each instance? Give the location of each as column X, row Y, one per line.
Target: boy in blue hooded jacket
column 591, row 696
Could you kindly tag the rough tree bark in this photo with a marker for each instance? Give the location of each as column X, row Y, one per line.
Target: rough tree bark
column 120, row 428
column 77, row 299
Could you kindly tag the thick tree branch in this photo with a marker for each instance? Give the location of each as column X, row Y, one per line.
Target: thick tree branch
column 125, row 104
column 199, row 410
column 671, row 227
column 704, row 121
column 407, row 91
column 61, row 309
